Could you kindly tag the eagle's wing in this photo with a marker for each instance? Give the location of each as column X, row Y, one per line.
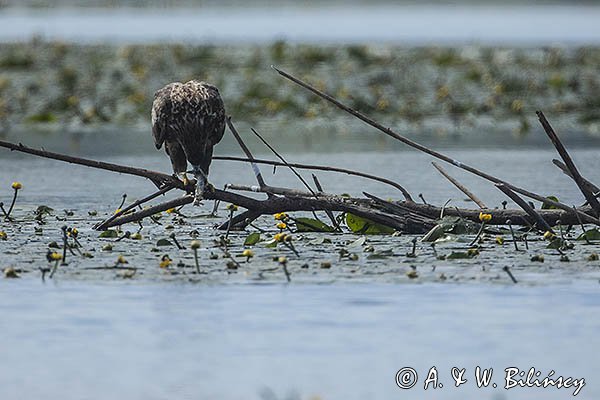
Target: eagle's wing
column 160, row 114
column 214, row 122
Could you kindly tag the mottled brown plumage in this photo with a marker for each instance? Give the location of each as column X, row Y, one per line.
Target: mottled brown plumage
column 189, row 118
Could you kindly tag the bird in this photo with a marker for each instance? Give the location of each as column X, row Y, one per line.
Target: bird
column 189, row 119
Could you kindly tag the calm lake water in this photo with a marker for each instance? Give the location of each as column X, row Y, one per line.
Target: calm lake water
column 98, row 339
column 408, row 23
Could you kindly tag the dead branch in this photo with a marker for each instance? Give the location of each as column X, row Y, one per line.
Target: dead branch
column 566, row 171
column 418, row 146
column 459, row 185
column 102, row 225
column 574, row 172
column 541, row 223
column 287, row 204
column 246, row 150
column 322, row 168
column 499, row 216
column 159, row 179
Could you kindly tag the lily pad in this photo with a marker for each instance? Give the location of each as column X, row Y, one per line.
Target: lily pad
column 358, row 243
column 461, row 255
column 367, row 227
column 592, row 234
column 547, row 206
column 252, row 239
column 164, row 242
column 311, row 225
column 319, row 240
column 109, row 233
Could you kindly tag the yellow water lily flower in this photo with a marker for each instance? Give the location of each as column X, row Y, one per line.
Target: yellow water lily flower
column 3, row 235
column 54, row 256
column 483, row 217
column 282, row 260
column 232, row 207
column 281, row 216
column 121, row 260
column 279, row 237
column 248, row 253
column 195, row 244
column 17, row 185
column 165, row 261
column 549, row 235
column 281, row 225
column 171, row 210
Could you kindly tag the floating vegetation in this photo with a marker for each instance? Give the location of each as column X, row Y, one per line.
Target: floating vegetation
column 367, row 235
column 97, row 84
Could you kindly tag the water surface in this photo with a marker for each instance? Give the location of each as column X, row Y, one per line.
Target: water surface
column 98, row 341
column 414, row 24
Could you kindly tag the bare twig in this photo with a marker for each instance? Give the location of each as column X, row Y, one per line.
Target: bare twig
column 328, row 212
column 460, row 186
column 322, row 168
column 579, row 180
column 429, row 151
column 541, row 222
column 246, row 150
column 285, row 162
column 102, row 225
column 566, row 171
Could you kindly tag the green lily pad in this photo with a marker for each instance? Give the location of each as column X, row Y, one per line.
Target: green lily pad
column 547, row 206
column 164, row 242
column 109, row 233
column 367, row 227
column 592, row 234
column 311, row 225
column 461, row 255
column 252, row 239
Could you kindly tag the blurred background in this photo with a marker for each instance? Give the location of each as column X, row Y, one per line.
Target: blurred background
column 450, row 73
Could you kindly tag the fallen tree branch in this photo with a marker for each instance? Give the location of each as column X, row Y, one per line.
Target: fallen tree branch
column 405, row 193
column 102, row 225
column 499, row 216
column 574, row 172
column 159, row 179
column 566, row 171
column 459, row 185
column 286, row 204
column 540, row 222
column 246, row 150
column 585, row 217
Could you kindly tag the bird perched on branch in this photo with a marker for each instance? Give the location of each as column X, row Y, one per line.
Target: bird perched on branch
column 189, row 118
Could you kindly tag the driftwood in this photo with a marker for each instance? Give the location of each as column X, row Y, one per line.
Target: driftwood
column 436, row 154
column 459, row 185
column 540, row 222
column 573, row 171
column 405, row 216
